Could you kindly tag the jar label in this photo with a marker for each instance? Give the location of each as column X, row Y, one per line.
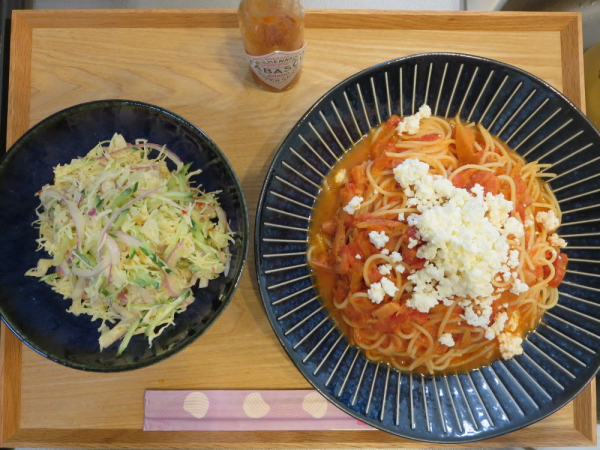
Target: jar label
column 278, row 68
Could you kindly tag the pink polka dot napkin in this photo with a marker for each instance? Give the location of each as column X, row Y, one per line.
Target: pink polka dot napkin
column 244, row 411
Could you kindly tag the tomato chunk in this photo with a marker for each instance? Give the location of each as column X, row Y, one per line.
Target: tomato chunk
column 465, row 145
column 393, row 121
column 523, row 197
column 417, row 316
column 531, row 277
column 347, row 258
column 428, row 137
column 386, row 310
column 409, row 255
column 469, row 178
column 329, row 226
column 374, row 274
column 560, row 270
column 487, row 180
column 369, row 222
column 461, row 179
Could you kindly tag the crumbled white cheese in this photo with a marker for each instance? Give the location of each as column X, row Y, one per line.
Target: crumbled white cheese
column 478, row 190
column 396, row 257
column 513, row 259
column 464, row 237
column 505, row 273
column 465, row 243
column 518, row 287
column 401, row 217
column 528, row 223
column 340, row 177
column 385, row 252
column 400, row 268
column 514, row 227
column 378, row 239
column 410, row 173
column 478, row 315
column 358, row 256
column 548, row 220
column 555, row 241
column 498, row 209
column 385, row 269
column 510, row 345
column 497, row 327
column 411, row 124
column 353, row 204
column 447, row 340
column 505, row 305
column 376, row 293
column 388, row 286
column 412, row 242
column 513, row 322
column 448, row 302
column 425, row 111
column 422, row 189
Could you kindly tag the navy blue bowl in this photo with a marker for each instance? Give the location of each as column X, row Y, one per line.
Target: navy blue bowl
column 35, row 313
column 559, row 358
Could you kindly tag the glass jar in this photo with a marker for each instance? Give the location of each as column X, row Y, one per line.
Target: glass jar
column 273, row 35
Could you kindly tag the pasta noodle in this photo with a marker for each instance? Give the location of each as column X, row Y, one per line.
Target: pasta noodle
column 369, row 285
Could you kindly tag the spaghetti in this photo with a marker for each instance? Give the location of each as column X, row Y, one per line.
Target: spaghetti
column 433, row 245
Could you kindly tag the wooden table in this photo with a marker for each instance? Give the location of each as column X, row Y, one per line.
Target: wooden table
column 192, row 62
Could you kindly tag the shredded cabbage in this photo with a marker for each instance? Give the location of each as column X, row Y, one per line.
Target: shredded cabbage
column 128, row 238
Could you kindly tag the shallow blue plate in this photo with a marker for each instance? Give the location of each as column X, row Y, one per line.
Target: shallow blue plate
column 37, row 314
column 559, row 358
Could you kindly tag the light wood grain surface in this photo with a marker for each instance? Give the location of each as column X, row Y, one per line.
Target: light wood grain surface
column 192, row 63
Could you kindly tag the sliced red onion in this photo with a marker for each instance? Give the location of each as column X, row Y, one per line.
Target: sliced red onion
column 127, row 147
column 151, row 166
column 92, row 212
column 88, row 273
column 127, row 239
column 122, row 298
column 119, row 211
column 172, row 156
column 122, row 149
column 172, row 292
column 74, row 212
column 170, row 255
column 113, row 250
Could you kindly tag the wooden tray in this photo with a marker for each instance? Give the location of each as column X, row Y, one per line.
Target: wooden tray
column 191, row 62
